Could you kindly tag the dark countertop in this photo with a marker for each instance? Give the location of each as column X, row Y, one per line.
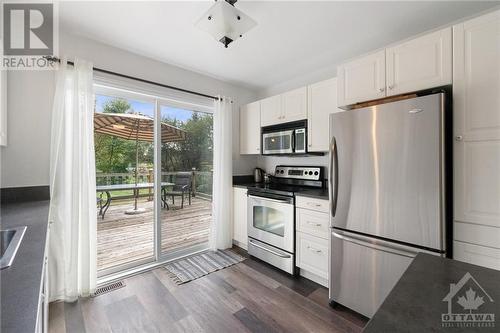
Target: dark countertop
column 416, row 303
column 321, row 193
column 21, row 282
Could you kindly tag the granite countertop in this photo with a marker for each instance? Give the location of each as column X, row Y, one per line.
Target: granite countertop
column 416, row 303
column 21, row 282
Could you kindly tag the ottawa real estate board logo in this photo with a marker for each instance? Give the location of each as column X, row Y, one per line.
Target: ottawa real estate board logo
column 469, row 305
column 29, row 35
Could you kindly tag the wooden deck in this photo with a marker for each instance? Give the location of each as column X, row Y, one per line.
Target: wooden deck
column 125, row 238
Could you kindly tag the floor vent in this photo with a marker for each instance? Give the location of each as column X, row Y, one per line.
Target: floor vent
column 108, row 288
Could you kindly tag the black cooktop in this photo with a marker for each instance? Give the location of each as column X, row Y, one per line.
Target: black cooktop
column 281, row 189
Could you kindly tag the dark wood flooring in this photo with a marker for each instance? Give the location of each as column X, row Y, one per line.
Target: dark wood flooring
column 248, row 297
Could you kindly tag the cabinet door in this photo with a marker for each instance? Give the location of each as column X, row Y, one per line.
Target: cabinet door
column 421, row 63
column 250, row 128
column 270, row 111
column 240, row 216
column 476, row 101
column 312, row 254
column 294, row 104
column 362, row 79
column 322, row 100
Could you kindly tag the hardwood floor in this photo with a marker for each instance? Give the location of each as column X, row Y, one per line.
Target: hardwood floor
column 125, row 238
column 248, row 297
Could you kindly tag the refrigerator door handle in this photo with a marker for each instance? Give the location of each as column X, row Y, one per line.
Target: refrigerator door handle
column 333, row 178
column 385, row 247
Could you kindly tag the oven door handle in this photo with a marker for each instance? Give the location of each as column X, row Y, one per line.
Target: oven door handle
column 270, row 251
column 284, row 201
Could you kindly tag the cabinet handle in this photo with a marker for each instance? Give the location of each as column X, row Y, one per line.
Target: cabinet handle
column 258, row 149
column 391, row 87
column 459, row 138
column 381, row 89
column 313, row 249
column 314, row 224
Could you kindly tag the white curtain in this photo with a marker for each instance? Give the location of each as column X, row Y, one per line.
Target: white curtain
column 221, row 232
column 72, row 247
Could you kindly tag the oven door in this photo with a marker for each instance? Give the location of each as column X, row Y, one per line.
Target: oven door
column 278, row 142
column 271, row 220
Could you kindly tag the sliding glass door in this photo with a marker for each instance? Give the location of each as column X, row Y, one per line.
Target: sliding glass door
column 186, row 161
column 124, row 155
column 154, row 161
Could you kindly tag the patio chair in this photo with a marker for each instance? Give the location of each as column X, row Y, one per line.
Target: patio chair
column 183, row 181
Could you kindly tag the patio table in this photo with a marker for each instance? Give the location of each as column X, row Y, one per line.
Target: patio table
column 122, row 187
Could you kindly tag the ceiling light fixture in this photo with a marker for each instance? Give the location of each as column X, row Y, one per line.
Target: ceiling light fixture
column 225, row 22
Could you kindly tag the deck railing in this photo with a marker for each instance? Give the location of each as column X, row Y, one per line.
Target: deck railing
column 201, row 181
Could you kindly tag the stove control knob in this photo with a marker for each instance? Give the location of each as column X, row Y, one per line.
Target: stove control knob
column 310, row 173
column 316, row 173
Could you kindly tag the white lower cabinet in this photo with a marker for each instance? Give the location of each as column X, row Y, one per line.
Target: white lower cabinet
column 312, row 254
column 477, row 254
column 312, row 239
column 42, row 324
column 240, row 235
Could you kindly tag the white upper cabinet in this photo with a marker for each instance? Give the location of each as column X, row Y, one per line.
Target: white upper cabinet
column 476, row 103
column 322, row 100
column 294, row 104
column 362, row 79
column 271, row 111
column 250, row 128
column 420, row 63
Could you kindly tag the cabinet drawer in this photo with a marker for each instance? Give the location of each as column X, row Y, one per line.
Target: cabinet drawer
column 319, row 205
column 477, row 234
column 313, row 222
column 312, row 254
column 477, row 255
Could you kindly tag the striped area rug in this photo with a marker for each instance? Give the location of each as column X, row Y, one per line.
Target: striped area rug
column 201, row 264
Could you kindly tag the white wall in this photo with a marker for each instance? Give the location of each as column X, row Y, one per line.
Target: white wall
column 25, row 161
column 300, row 81
column 268, row 163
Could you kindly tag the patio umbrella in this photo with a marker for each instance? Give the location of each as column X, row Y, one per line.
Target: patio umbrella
column 135, row 127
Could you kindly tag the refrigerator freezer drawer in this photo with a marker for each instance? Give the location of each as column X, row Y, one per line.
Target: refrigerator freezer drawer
column 363, row 271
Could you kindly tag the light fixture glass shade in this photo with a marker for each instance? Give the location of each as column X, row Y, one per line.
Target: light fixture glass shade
column 225, row 22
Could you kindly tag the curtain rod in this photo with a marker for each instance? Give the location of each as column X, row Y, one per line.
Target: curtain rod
column 105, row 71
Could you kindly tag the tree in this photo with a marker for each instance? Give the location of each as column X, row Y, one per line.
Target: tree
column 196, row 151
column 114, row 154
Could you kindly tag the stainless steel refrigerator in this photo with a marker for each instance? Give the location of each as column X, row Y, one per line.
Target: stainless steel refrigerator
column 387, row 196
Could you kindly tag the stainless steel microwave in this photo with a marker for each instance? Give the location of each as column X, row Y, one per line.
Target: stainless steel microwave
column 284, row 139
